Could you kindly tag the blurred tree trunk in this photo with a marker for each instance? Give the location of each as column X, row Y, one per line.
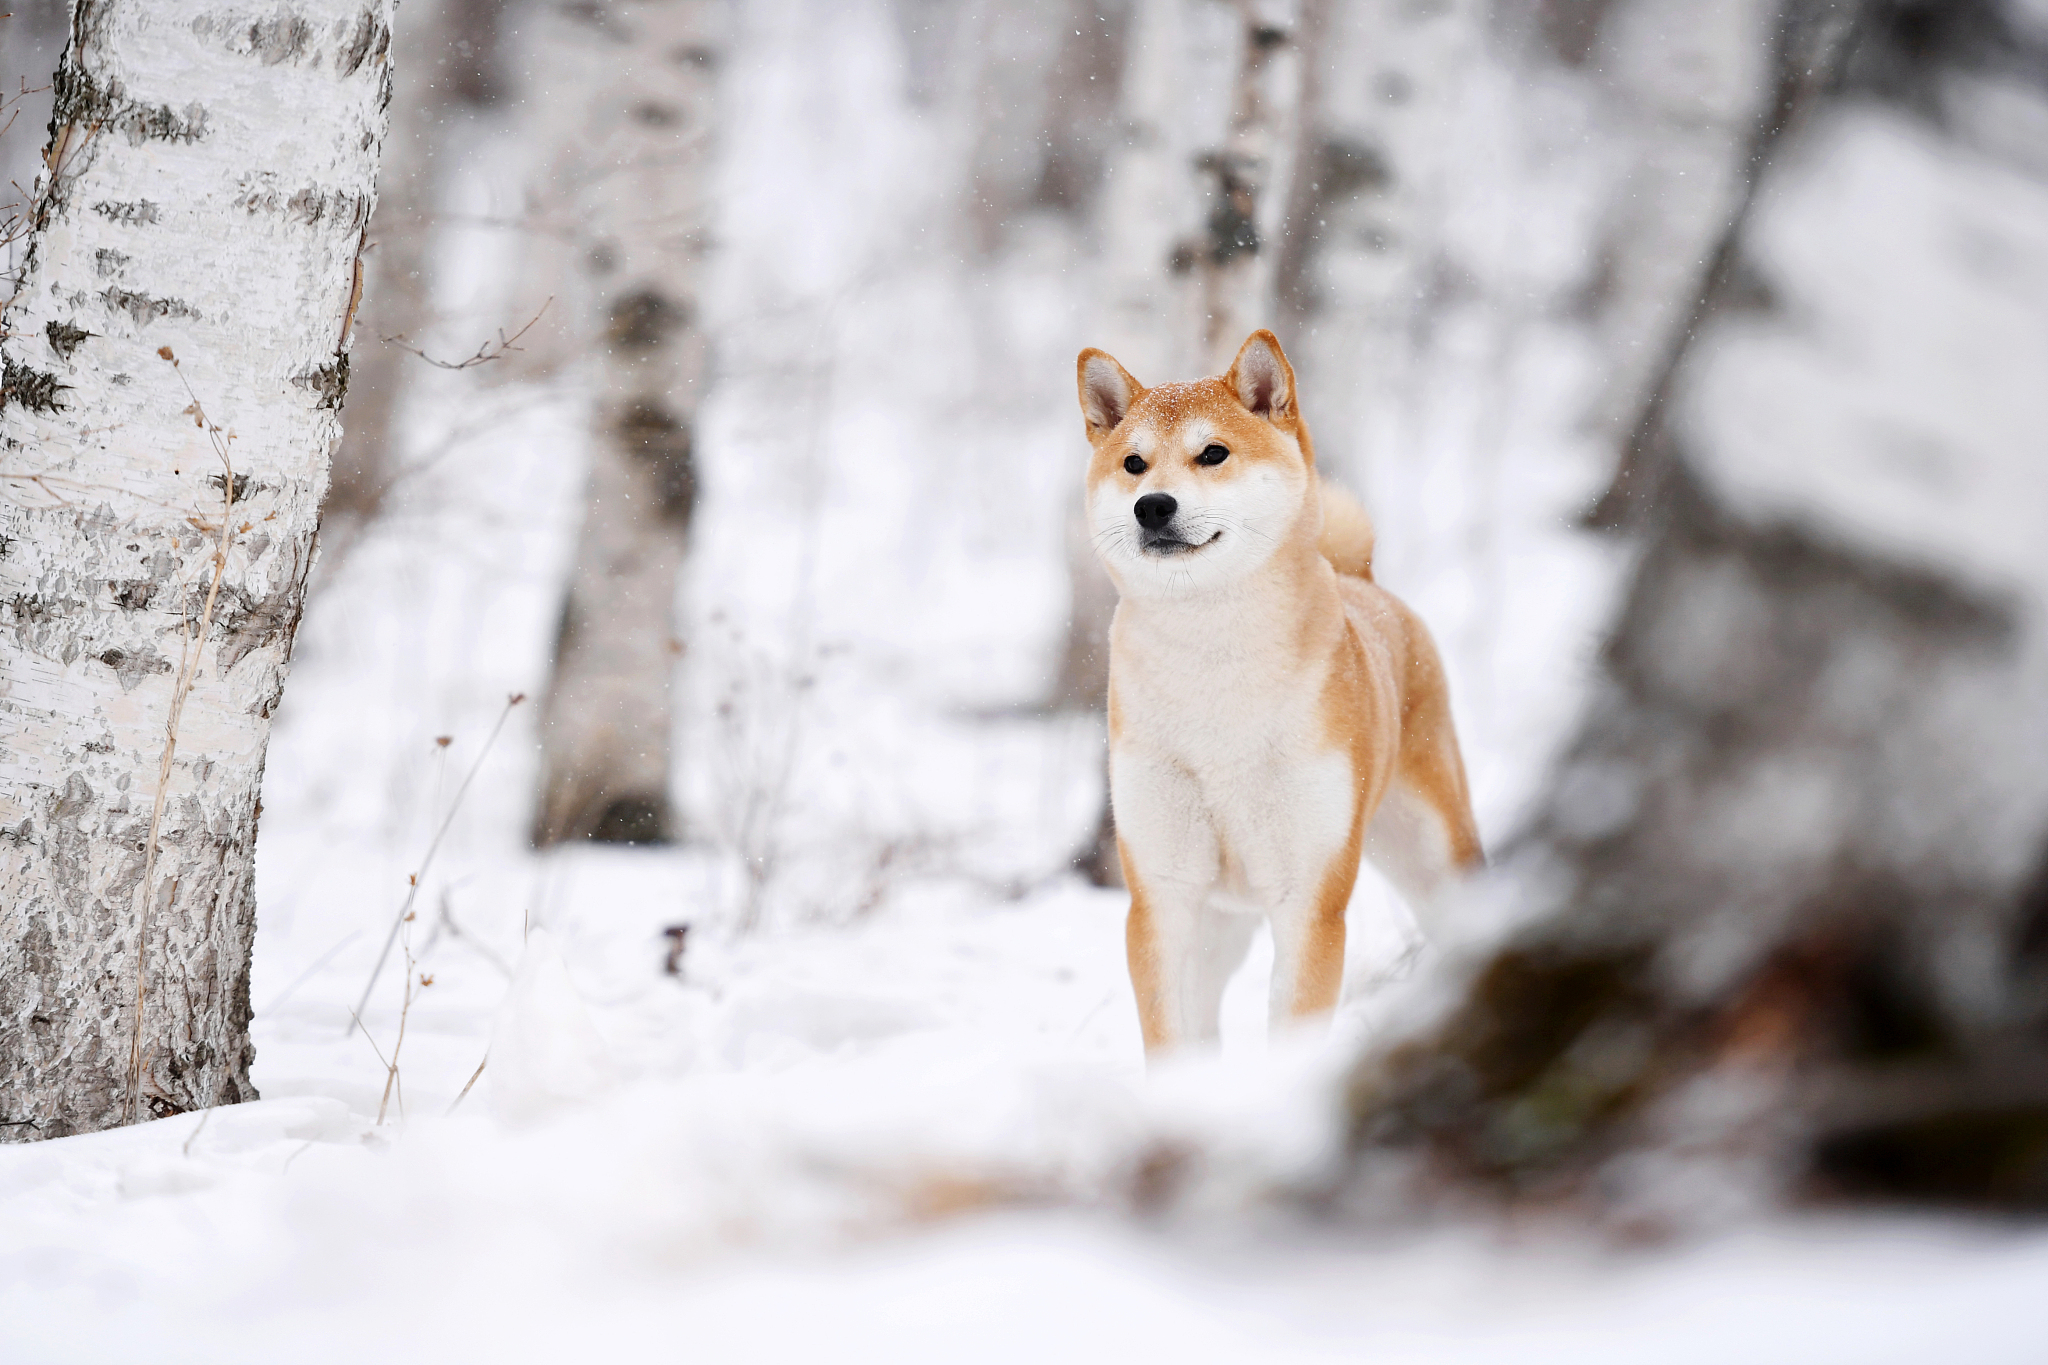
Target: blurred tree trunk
column 1251, row 178
column 1193, row 218
column 1784, row 920
column 1360, row 272
column 1711, row 105
column 606, row 721
column 454, row 42
column 209, row 185
column 1042, row 97
column 1401, row 162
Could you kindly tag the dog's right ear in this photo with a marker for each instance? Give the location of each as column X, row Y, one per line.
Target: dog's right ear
column 1107, row 391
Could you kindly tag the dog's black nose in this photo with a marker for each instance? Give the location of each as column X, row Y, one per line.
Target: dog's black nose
column 1155, row 510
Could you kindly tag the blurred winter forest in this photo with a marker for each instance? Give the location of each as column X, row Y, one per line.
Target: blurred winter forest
column 711, row 399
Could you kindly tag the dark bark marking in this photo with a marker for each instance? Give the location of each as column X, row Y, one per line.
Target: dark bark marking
column 32, row 389
column 652, row 433
column 1232, row 228
column 654, row 114
column 272, row 39
column 220, row 485
column 138, row 212
column 144, row 309
column 329, row 382
column 132, row 666
column 365, row 40
column 245, row 623
column 81, row 101
column 639, row 819
column 308, row 206
column 643, row 320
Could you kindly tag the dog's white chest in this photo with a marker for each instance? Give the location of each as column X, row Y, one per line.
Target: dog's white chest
column 1223, row 767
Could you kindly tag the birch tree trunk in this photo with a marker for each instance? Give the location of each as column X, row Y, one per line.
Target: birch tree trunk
column 606, row 722
column 453, row 39
column 1388, row 85
column 208, row 186
column 1251, row 180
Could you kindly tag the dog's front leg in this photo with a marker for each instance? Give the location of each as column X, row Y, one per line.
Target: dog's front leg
column 1170, row 859
column 1308, row 957
column 1302, row 867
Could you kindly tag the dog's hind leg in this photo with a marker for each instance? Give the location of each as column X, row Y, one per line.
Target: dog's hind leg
column 1408, row 843
column 1423, row 837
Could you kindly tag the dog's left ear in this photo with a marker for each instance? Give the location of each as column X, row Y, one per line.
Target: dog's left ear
column 1262, row 379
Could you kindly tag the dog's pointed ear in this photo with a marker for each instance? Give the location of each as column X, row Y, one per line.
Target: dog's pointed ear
column 1107, row 391
column 1262, row 379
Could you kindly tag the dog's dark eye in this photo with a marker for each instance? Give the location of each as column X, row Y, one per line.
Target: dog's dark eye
column 1133, row 465
column 1212, row 455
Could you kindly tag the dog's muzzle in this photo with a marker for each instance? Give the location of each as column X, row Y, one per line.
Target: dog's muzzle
column 1155, row 513
column 1156, row 532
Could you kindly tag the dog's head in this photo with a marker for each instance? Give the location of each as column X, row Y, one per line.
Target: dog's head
column 1196, row 485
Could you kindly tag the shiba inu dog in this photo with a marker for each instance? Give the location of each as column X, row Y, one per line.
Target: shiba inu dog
column 1274, row 714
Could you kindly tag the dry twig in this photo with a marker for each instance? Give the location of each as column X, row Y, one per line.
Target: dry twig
column 484, row 354
column 413, row 889
column 474, row 1076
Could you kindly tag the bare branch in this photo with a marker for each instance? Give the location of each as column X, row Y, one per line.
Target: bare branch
column 485, row 353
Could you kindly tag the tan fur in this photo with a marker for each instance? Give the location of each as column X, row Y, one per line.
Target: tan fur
column 1347, row 533
column 1274, row 713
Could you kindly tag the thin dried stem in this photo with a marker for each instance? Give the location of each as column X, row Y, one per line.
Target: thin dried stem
column 190, row 652
column 413, row 890
column 474, row 1076
column 198, row 1128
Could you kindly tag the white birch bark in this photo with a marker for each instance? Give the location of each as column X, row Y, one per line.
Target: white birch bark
column 1251, row 181
column 212, row 173
column 1178, row 86
column 1384, row 154
column 607, row 718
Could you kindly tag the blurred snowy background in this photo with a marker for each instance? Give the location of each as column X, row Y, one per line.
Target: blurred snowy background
column 820, row 1043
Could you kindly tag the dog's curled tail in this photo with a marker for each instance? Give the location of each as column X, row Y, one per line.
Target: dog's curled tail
column 1347, row 533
